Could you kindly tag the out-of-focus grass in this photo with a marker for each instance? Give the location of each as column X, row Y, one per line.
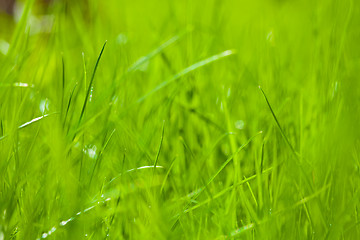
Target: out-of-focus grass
column 176, row 88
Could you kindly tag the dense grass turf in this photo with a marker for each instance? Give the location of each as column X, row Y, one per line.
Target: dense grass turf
column 145, row 120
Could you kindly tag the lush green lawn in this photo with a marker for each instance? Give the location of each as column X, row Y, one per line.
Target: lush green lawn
column 145, row 120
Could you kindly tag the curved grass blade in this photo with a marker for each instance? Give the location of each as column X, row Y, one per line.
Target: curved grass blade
column 31, row 122
column 69, row 103
column 148, row 57
column 167, row 174
column 96, row 203
column 91, row 83
column 186, row 71
column 160, row 145
column 156, row 51
column 65, row 222
column 35, row 120
column 98, row 159
column 279, row 126
column 18, row 85
column 240, row 230
column 63, row 86
column 130, row 170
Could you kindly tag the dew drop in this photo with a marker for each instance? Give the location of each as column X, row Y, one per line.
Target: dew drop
column 240, row 124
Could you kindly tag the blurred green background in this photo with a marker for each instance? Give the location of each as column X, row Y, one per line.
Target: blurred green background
column 165, row 133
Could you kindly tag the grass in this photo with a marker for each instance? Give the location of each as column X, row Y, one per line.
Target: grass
column 164, row 132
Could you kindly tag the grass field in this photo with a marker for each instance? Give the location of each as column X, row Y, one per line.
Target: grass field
column 184, row 119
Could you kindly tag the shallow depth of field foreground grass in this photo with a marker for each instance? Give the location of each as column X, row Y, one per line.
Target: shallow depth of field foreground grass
column 145, row 120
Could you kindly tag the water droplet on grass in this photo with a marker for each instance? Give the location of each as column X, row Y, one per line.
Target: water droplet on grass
column 44, row 106
column 90, row 150
column 4, row 48
column 121, row 39
column 270, row 37
column 240, row 124
column 91, row 93
column 228, row 92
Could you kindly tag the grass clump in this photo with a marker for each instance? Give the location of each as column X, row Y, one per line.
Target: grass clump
column 144, row 120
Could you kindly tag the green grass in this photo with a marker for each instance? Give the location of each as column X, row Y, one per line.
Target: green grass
column 145, row 120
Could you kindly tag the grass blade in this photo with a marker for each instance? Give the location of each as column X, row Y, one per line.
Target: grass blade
column 98, row 159
column 30, row 122
column 91, row 83
column 152, row 54
column 279, row 126
column 186, row 71
column 159, row 149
